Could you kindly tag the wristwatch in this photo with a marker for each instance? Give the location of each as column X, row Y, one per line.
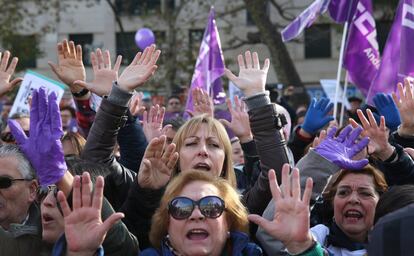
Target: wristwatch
column 81, row 93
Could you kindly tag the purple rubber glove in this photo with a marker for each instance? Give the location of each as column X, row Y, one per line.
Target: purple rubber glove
column 43, row 148
column 340, row 150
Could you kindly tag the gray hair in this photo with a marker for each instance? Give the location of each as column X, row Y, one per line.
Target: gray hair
column 23, row 164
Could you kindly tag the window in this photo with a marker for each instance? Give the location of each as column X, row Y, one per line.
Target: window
column 85, row 40
column 170, row 4
column 318, row 41
column 26, row 48
column 195, row 38
column 138, row 7
column 125, row 45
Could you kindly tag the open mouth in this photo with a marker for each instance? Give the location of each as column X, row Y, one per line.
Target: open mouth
column 47, row 218
column 197, row 234
column 353, row 215
column 202, row 167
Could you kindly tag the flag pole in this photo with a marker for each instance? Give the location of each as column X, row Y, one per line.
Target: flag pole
column 341, row 118
column 338, row 74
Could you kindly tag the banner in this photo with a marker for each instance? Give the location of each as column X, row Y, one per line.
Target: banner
column 32, row 81
column 362, row 58
column 304, row 20
column 342, row 11
column 210, row 65
column 396, row 61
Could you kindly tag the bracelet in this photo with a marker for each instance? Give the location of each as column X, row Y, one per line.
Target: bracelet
column 82, row 92
column 392, row 157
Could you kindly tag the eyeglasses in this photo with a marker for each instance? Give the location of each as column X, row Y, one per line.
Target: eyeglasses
column 9, row 138
column 181, row 208
column 42, row 193
column 6, row 182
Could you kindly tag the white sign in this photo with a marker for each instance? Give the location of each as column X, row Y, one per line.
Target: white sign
column 329, row 87
column 233, row 91
column 31, row 81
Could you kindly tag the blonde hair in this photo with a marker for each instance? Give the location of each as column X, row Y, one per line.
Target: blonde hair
column 78, row 142
column 236, row 213
column 215, row 127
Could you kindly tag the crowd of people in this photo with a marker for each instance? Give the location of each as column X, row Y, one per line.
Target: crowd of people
column 130, row 178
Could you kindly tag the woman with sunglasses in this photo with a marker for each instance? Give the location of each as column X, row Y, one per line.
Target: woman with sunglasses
column 200, row 214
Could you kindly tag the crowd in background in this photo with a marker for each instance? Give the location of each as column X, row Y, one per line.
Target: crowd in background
column 131, row 178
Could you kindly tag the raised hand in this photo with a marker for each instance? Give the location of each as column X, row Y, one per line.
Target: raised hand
column 70, row 65
column 290, row 208
column 387, row 108
column 84, row 229
column 140, row 70
column 135, row 105
column 157, row 165
column 104, row 74
column 405, row 106
column 43, row 147
column 239, row 124
column 378, row 146
column 6, row 71
column 202, row 103
column 251, row 79
column 317, row 116
column 340, row 150
column 318, row 139
column 152, row 123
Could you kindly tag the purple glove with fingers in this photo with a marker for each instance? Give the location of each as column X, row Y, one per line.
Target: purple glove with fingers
column 43, row 147
column 340, row 150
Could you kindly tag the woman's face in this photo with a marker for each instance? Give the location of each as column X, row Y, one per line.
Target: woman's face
column 354, row 205
column 52, row 220
column 202, row 151
column 198, row 235
column 238, row 156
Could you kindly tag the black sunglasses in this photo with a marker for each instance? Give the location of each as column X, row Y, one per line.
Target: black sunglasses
column 6, row 182
column 43, row 191
column 9, row 138
column 181, row 208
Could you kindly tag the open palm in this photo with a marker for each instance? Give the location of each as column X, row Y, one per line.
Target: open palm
column 6, row 71
column 251, row 79
column 140, row 70
column 70, row 66
column 84, row 229
column 103, row 72
column 289, row 208
column 157, row 165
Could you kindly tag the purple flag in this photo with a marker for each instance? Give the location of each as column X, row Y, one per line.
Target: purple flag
column 407, row 38
column 362, row 58
column 342, row 10
column 397, row 61
column 210, row 65
column 304, row 20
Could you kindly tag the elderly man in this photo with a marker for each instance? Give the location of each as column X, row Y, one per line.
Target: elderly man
column 20, row 225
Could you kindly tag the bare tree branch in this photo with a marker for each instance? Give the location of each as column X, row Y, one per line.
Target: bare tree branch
column 282, row 11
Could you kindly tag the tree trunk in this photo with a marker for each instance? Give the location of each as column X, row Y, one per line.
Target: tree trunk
column 171, row 55
column 281, row 61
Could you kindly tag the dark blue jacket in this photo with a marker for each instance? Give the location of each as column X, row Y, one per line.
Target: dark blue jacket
column 239, row 241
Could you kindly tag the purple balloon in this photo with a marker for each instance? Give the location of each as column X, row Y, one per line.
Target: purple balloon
column 144, row 38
